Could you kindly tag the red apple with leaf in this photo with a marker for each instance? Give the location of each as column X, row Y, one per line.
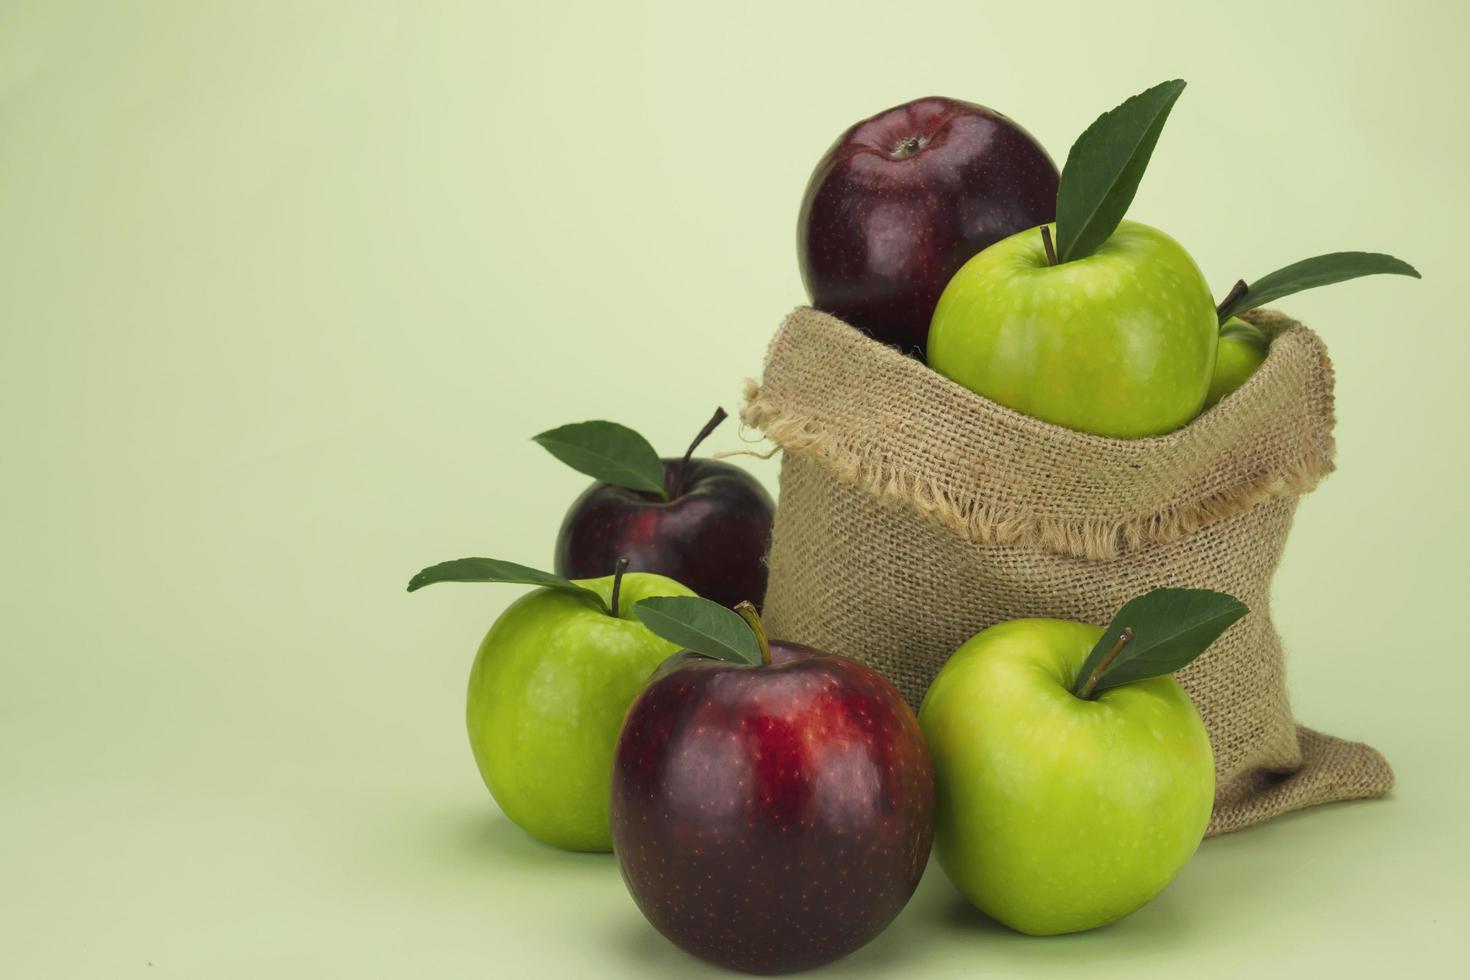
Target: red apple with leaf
column 772, row 805
column 702, row 522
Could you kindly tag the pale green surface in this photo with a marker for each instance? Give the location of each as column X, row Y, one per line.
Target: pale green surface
column 547, row 694
column 1242, row 349
column 287, row 287
column 1119, row 343
column 1058, row 813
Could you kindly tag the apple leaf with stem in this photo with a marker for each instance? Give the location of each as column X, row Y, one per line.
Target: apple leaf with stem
column 1156, row 633
column 702, row 626
column 497, row 570
column 608, row 452
column 1319, row 270
column 1104, row 168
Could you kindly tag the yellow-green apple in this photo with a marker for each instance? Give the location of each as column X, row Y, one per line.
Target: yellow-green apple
column 548, row 691
column 1113, row 330
column 1243, row 345
column 1120, row 342
column 1242, row 349
column 1072, row 780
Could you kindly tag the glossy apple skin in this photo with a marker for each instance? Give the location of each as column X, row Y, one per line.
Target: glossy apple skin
column 712, row 536
column 1242, row 349
column 1058, row 814
column 903, row 199
column 1120, row 343
column 771, row 819
column 547, row 695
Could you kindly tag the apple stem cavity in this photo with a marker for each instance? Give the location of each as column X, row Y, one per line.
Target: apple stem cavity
column 747, row 612
column 1236, row 292
column 907, row 147
column 681, row 474
column 1088, row 686
column 1051, row 252
column 619, row 567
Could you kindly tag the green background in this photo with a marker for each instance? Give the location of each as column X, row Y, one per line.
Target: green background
column 286, row 287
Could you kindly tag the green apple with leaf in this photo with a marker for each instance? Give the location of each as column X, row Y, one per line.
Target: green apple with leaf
column 1112, row 330
column 1095, row 323
column 1119, row 343
column 1243, row 345
column 549, row 688
column 1242, row 349
column 1074, row 777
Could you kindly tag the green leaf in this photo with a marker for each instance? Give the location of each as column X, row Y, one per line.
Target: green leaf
column 496, row 570
column 1104, row 167
column 608, row 452
column 1319, row 270
column 702, row 626
column 1170, row 627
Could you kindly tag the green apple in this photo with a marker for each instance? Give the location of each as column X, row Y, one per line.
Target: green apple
column 1058, row 812
column 1120, row 342
column 548, row 692
column 1242, row 349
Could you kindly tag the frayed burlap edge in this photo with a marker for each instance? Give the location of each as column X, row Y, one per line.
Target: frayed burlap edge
column 985, row 523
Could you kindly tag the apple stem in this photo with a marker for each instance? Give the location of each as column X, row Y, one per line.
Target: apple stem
column 1236, row 292
column 619, row 567
column 1124, row 638
column 747, row 612
column 1051, row 252
column 907, row 147
column 681, row 476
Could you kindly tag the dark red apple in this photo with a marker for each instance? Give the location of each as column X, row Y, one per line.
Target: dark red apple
column 711, row 534
column 771, row 818
column 905, row 198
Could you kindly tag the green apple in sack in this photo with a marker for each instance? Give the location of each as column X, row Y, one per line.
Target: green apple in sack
column 1243, row 345
column 1110, row 329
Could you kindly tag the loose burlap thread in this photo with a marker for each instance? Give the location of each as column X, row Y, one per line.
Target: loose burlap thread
column 913, row 513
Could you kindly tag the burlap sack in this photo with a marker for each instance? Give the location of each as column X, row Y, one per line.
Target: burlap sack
column 914, row 513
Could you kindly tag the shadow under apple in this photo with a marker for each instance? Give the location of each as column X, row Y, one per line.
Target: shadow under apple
column 489, row 837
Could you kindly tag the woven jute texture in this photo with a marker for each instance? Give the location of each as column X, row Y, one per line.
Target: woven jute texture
column 914, row 513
